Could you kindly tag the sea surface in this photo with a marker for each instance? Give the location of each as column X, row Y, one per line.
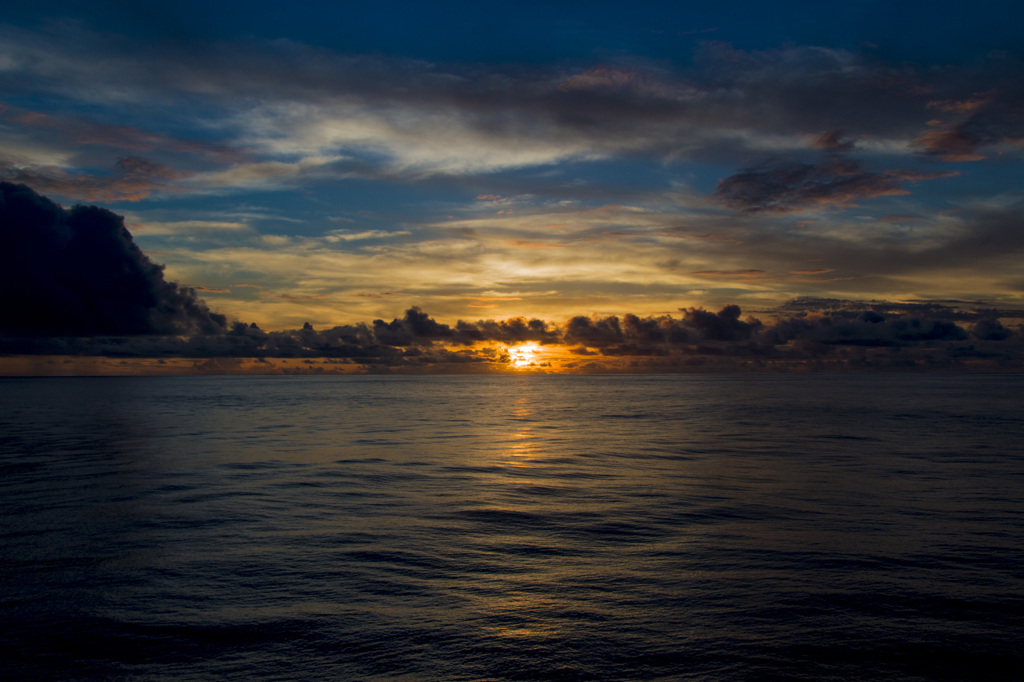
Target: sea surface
column 845, row 527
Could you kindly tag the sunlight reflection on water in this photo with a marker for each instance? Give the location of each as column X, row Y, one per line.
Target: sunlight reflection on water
column 512, row 527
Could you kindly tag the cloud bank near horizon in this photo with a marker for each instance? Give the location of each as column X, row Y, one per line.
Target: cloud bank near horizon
column 845, row 335
column 74, row 283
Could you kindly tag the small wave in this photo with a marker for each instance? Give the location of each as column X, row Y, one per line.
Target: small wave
column 847, row 436
column 504, row 517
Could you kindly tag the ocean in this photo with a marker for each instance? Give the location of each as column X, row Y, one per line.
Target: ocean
column 528, row 527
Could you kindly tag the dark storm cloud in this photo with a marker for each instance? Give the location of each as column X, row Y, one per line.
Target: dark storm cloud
column 782, row 186
column 78, row 272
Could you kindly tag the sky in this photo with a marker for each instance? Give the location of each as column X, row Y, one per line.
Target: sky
column 729, row 183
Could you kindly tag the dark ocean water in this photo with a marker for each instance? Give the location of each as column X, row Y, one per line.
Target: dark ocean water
column 512, row 528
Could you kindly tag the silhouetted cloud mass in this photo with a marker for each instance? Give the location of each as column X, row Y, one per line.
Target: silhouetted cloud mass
column 815, row 333
column 722, row 326
column 78, row 272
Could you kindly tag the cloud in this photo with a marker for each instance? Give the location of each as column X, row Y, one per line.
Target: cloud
column 958, row 311
column 950, row 144
column 78, row 131
column 511, row 331
column 415, row 328
column 749, row 274
column 867, row 329
column 990, row 329
column 409, row 117
column 132, row 178
column 151, row 227
column 74, row 283
column 647, row 262
column 612, row 260
column 831, row 140
column 346, row 236
column 78, row 272
column 722, row 326
column 782, row 187
column 824, row 334
column 267, row 174
column 585, row 331
column 987, row 120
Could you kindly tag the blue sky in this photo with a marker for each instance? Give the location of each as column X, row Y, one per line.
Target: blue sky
column 339, row 162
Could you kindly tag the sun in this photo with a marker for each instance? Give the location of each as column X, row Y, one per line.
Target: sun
column 522, row 356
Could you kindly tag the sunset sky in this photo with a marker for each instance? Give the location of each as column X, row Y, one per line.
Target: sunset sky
column 339, row 163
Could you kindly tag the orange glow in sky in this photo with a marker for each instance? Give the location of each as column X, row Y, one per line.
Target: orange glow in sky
column 523, row 356
column 337, row 197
